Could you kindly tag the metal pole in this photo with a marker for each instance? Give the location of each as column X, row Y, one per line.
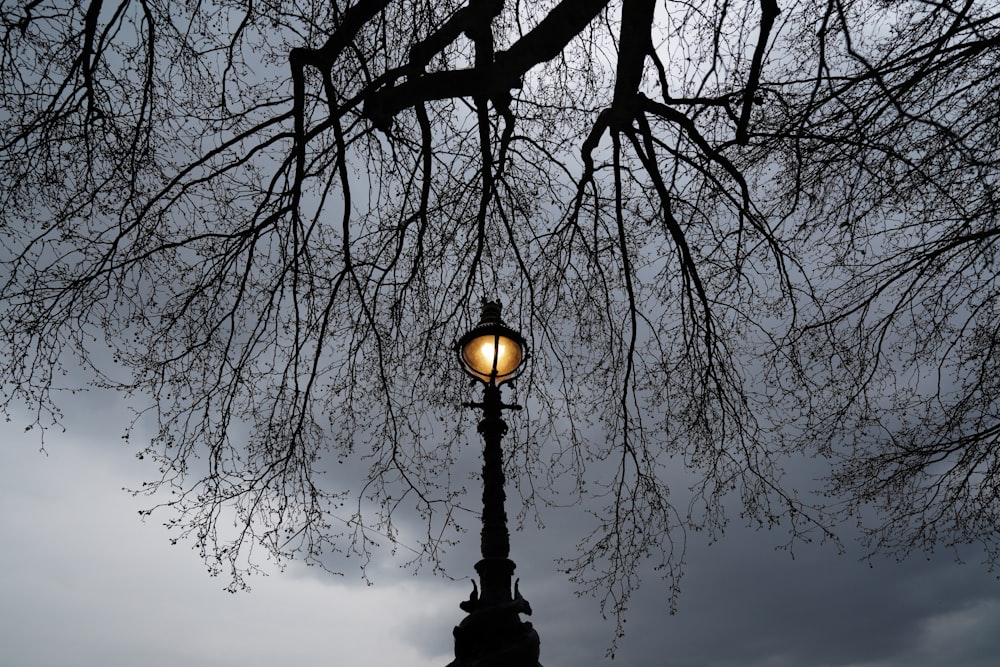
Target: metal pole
column 493, row 635
column 495, row 569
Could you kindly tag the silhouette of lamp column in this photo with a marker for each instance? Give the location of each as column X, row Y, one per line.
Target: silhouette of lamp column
column 493, row 635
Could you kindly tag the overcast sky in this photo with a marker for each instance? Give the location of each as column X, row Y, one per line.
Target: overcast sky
column 85, row 582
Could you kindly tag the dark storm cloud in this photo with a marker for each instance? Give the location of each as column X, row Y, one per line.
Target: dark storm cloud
column 743, row 603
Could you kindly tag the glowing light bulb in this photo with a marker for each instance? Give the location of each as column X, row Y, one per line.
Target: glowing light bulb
column 492, row 352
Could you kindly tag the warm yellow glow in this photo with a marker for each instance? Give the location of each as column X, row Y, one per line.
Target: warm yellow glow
column 481, row 352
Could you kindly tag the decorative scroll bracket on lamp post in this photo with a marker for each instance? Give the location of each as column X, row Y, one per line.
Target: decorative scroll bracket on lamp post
column 493, row 634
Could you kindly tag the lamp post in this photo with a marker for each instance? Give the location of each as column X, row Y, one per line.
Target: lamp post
column 493, row 635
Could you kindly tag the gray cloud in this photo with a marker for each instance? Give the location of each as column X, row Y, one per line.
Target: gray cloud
column 83, row 582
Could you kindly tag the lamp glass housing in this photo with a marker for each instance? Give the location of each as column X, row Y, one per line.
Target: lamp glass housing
column 492, row 352
column 492, row 357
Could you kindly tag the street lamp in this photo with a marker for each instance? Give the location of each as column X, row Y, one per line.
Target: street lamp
column 493, row 635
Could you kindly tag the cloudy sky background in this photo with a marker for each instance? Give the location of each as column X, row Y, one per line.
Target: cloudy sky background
column 84, row 582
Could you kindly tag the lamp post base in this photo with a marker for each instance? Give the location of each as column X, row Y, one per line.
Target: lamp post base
column 493, row 634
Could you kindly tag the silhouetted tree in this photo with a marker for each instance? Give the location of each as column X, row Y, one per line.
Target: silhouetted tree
column 733, row 232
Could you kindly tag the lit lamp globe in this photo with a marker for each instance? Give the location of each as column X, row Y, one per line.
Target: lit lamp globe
column 492, row 352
